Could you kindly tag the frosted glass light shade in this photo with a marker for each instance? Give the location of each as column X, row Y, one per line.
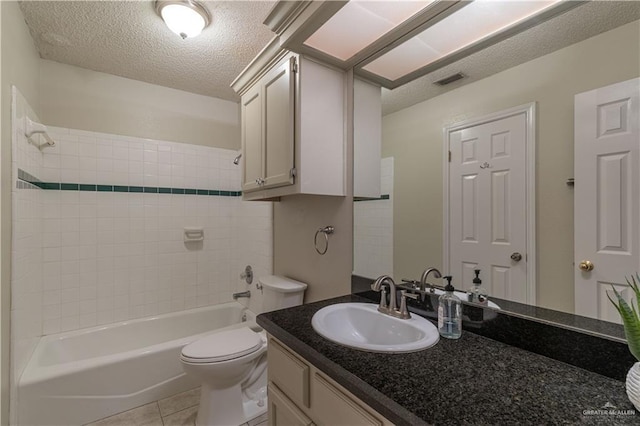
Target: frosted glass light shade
column 472, row 23
column 359, row 23
column 186, row 19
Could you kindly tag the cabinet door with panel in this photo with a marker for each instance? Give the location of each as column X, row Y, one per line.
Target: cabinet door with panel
column 283, row 412
column 268, row 129
column 252, row 139
column 279, row 119
column 299, row 394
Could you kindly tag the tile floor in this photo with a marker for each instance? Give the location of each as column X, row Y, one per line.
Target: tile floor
column 177, row 410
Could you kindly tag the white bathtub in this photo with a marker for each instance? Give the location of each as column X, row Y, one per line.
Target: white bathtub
column 81, row 376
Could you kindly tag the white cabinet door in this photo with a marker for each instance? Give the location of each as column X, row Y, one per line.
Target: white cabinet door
column 367, row 139
column 488, row 206
column 283, row 412
column 607, row 195
column 252, row 139
column 279, row 115
column 293, row 132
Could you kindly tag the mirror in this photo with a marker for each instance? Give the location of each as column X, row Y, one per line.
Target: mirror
column 403, row 235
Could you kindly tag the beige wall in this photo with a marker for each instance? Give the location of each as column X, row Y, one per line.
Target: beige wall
column 413, row 137
column 78, row 98
column 19, row 67
column 295, row 221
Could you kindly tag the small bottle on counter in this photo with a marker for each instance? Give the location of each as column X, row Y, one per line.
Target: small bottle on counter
column 449, row 313
column 477, row 293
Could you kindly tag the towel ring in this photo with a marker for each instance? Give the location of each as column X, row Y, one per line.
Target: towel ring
column 327, row 230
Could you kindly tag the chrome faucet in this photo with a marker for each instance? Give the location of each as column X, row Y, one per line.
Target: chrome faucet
column 425, row 275
column 242, row 294
column 392, row 309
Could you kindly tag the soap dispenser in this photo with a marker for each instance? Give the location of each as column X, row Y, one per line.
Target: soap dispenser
column 449, row 313
column 477, row 293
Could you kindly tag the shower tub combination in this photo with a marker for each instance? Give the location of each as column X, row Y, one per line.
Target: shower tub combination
column 81, row 376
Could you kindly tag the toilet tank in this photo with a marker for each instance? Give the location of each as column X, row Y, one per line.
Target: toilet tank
column 281, row 292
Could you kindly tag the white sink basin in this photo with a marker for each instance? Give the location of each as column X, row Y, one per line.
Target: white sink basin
column 361, row 326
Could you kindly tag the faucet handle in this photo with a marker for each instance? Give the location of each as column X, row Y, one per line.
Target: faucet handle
column 383, row 301
column 404, row 312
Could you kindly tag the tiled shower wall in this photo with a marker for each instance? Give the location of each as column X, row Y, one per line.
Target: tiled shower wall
column 98, row 237
column 116, row 251
column 26, row 246
column 373, row 229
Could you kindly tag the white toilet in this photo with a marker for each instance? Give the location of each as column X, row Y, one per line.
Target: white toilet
column 232, row 364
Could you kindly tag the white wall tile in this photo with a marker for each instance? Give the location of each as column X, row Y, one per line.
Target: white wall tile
column 373, row 229
column 87, row 258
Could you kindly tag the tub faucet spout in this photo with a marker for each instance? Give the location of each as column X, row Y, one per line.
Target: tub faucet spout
column 241, row 294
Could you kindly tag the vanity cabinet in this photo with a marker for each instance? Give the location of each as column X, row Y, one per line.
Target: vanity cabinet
column 300, row 394
column 293, row 132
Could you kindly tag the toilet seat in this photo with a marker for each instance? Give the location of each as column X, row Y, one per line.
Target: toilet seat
column 222, row 346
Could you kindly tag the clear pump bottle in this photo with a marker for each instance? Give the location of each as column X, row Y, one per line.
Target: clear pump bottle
column 477, row 293
column 449, row 313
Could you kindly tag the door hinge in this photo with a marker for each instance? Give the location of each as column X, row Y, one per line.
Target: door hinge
column 449, row 156
column 294, row 65
column 293, row 172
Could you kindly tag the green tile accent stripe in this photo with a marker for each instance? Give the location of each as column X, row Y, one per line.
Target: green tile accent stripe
column 25, row 181
column 25, row 185
column 69, row 186
column 24, row 176
column 382, row 197
column 50, row 185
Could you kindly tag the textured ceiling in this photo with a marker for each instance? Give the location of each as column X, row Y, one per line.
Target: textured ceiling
column 128, row 39
column 571, row 27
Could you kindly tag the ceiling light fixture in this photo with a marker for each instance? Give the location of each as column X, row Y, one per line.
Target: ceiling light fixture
column 187, row 18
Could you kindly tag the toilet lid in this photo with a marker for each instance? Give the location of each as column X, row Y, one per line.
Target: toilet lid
column 223, row 346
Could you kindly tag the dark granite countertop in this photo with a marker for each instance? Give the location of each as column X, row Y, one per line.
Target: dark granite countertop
column 473, row 380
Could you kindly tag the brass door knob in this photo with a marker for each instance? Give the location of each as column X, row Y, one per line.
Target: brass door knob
column 516, row 257
column 586, row 265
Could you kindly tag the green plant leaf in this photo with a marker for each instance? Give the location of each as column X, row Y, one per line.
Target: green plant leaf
column 630, row 317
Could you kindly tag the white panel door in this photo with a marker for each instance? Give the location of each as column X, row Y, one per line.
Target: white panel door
column 488, row 206
column 607, row 195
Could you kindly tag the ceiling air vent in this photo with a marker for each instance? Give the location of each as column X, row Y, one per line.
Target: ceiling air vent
column 450, row 79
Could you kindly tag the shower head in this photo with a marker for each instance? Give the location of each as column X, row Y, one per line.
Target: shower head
column 237, row 159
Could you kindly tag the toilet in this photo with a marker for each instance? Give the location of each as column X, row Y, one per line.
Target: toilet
column 232, row 364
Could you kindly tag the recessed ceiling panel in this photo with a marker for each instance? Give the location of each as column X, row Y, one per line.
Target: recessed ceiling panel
column 472, row 23
column 359, row 23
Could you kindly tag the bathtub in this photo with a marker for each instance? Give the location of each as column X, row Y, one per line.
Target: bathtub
column 81, row 376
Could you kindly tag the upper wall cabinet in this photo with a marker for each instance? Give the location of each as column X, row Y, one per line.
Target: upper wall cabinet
column 367, row 139
column 293, row 132
column 268, row 131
